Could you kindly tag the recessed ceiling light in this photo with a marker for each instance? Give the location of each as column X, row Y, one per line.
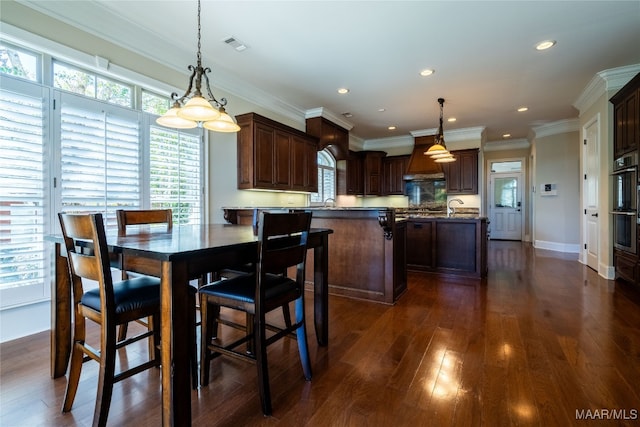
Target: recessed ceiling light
column 506, row 135
column 427, row 72
column 343, row 90
column 545, row 44
column 391, row 128
column 381, row 110
column 523, row 109
column 451, row 119
column 347, row 115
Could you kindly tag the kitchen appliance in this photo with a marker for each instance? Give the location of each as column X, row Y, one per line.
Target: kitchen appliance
column 625, row 202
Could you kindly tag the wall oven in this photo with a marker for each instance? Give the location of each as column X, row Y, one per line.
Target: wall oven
column 625, row 202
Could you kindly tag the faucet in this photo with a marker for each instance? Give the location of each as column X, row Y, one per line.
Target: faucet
column 452, row 211
column 330, row 199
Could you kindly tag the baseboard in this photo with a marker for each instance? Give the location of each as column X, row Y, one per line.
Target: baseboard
column 17, row 322
column 573, row 248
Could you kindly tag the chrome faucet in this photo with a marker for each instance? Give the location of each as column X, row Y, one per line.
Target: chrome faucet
column 333, row 204
column 452, row 211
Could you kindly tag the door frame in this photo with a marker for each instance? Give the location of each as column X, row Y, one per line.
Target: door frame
column 595, row 121
column 524, row 195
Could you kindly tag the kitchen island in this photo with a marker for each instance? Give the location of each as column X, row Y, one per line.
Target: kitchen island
column 455, row 245
column 367, row 250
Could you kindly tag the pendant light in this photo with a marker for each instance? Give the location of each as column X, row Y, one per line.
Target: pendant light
column 438, row 151
column 195, row 108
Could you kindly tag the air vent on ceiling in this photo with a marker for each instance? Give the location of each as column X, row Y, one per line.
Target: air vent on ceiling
column 235, row 43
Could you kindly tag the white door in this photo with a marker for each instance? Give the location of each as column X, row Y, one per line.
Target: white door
column 590, row 191
column 506, row 206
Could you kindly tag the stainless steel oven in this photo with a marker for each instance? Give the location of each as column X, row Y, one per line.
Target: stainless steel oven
column 625, row 202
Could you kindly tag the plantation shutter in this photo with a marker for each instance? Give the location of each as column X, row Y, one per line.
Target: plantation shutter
column 175, row 173
column 24, row 203
column 99, row 157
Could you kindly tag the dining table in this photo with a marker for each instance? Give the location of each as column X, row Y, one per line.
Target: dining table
column 178, row 256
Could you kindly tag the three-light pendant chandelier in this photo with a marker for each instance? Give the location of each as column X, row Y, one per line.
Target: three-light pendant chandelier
column 194, row 108
column 438, row 151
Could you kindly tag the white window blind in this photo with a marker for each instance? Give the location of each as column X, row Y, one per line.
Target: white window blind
column 175, row 173
column 99, row 157
column 326, row 178
column 23, row 193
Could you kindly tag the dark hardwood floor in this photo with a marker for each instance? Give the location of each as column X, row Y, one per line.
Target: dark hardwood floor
column 541, row 341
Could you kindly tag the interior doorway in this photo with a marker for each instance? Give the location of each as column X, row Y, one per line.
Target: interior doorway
column 591, row 222
column 505, row 199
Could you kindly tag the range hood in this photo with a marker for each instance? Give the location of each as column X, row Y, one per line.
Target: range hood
column 423, row 167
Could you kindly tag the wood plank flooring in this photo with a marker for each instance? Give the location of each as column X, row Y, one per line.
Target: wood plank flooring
column 543, row 338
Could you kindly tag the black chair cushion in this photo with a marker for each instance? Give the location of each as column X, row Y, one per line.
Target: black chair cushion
column 243, row 287
column 131, row 294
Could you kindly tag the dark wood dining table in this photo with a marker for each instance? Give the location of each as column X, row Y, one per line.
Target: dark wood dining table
column 187, row 252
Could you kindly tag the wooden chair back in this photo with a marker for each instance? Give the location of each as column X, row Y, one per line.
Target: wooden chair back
column 143, row 217
column 77, row 230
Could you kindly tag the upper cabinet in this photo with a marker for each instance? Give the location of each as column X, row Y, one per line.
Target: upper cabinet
column 373, row 172
column 626, row 118
column 330, row 136
column 273, row 156
column 462, row 175
column 393, row 170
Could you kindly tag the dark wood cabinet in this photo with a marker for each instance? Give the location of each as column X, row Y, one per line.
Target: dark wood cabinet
column 273, row 156
column 447, row 246
column 393, row 171
column 330, row 136
column 462, row 175
column 373, row 172
column 626, row 118
column 626, row 265
column 420, row 239
column 351, row 175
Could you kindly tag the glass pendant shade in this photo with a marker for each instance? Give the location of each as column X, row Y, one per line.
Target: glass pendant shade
column 198, row 109
column 436, row 149
column 224, row 123
column 441, row 155
column 172, row 120
column 447, row 159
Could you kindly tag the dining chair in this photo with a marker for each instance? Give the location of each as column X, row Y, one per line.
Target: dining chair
column 109, row 305
column 282, row 243
column 150, row 221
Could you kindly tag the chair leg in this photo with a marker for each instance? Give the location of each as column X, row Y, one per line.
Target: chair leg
column 122, row 332
column 286, row 313
column 193, row 348
column 105, row 379
column 75, row 364
column 301, row 334
column 206, row 332
column 261, row 363
column 75, row 368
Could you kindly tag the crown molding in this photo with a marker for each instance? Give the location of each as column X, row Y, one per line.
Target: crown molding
column 511, row 144
column 405, row 141
column 464, row 134
column 329, row 115
column 603, row 81
column 555, row 128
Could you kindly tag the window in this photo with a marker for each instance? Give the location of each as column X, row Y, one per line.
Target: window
column 91, row 85
column 19, row 62
column 82, row 148
column 175, row 177
column 326, row 178
column 154, row 104
column 24, row 204
column 99, row 157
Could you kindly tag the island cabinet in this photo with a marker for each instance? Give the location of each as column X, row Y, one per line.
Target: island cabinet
column 393, row 170
column 273, row 156
column 626, row 118
column 462, row 175
column 367, row 250
column 450, row 246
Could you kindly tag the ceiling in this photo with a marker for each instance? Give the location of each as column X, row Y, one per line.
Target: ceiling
column 300, row 52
